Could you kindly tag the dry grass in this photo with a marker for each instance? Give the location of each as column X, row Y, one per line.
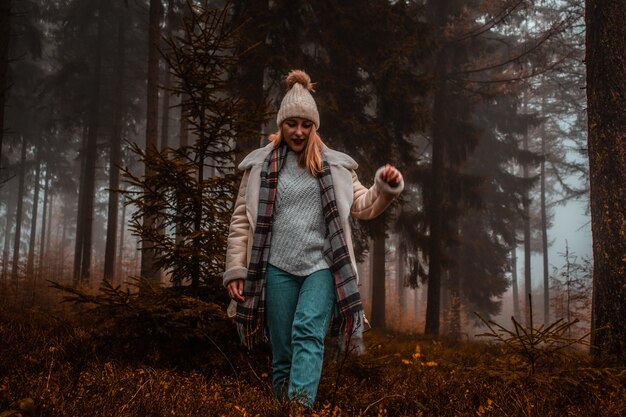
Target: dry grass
column 54, row 360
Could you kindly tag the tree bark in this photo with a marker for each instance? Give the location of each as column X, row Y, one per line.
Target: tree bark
column 378, row 277
column 61, row 265
column 165, row 109
column 115, row 156
column 44, row 223
column 5, row 37
column 514, row 282
column 91, row 154
column 183, row 133
column 49, row 227
column 147, row 252
column 544, row 235
column 252, row 65
column 455, row 278
column 120, row 253
column 30, row 263
column 606, row 101
column 433, row 303
column 400, row 273
column 18, row 218
column 526, row 223
column 7, row 238
column 78, row 243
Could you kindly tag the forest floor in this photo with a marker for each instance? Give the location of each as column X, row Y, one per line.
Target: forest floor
column 52, row 365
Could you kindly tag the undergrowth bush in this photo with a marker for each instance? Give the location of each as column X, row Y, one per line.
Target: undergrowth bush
column 547, row 344
column 57, row 363
column 153, row 324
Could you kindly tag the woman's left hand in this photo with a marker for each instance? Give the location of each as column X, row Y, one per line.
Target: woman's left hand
column 391, row 176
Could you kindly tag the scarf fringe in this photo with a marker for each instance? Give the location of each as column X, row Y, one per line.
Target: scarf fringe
column 347, row 333
column 250, row 339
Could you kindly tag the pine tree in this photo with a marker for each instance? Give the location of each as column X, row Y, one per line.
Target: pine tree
column 5, row 36
column 606, row 99
column 115, row 157
column 481, row 62
column 148, row 251
column 192, row 188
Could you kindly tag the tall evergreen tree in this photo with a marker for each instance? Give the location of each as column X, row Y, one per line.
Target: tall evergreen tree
column 115, row 157
column 5, row 36
column 83, row 252
column 30, row 262
column 193, row 187
column 18, row 217
column 255, row 21
column 481, row 55
column 440, row 13
column 606, row 99
column 45, row 223
column 148, row 268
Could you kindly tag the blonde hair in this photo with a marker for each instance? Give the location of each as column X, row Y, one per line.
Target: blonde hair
column 309, row 159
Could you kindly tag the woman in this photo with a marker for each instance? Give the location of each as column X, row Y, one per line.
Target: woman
column 290, row 264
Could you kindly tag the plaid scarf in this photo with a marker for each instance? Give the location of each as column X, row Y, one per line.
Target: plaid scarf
column 347, row 323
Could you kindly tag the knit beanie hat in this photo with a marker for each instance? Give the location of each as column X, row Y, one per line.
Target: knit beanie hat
column 298, row 102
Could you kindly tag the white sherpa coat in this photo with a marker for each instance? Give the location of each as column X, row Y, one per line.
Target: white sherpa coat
column 351, row 197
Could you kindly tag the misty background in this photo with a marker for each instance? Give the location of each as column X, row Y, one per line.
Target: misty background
column 481, row 105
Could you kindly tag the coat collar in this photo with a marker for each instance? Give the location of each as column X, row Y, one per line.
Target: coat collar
column 333, row 157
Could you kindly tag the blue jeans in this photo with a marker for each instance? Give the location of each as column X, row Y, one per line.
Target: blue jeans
column 298, row 312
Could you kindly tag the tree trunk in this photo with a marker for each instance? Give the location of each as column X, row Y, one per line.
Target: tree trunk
column 526, row 222
column 120, row 254
column 606, row 101
column 544, row 235
column 61, row 272
column 183, row 133
column 433, row 304
column 378, row 276
column 454, row 282
column 147, row 252
column 30, row 264
column 49, row 228
column 91, row 154
column 44, row 223
column 5, row 250
column 252, row 66
column 5, row 37
column 18, row 218
column 514, row 282
column 78, row 244
column 165, row 109
column 197, row 224
column 400, row 273
column 115, row 159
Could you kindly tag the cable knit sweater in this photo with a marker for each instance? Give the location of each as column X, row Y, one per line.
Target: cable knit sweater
column 298, row 228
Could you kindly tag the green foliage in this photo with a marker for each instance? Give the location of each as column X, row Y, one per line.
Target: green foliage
column 154, row 323
column 190, row 190
column 190, row 237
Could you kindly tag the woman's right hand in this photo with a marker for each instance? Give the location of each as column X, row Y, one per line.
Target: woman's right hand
column 235, row 290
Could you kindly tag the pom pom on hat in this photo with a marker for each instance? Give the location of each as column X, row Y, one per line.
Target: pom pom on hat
column 300, row 77
column 298, row 101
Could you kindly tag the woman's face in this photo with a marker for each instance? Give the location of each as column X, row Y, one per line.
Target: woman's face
column 296, row 131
